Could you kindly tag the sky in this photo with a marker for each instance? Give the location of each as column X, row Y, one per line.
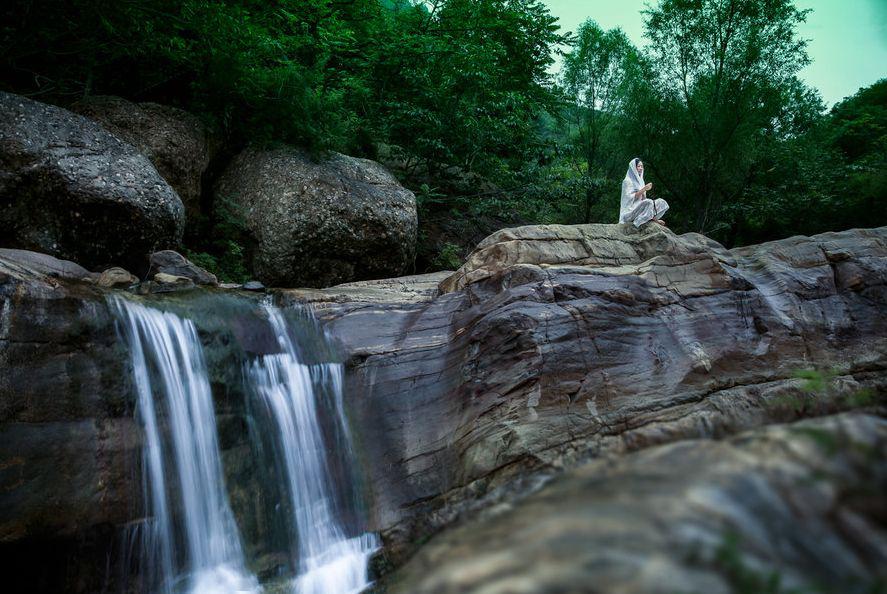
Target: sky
column 847, row 38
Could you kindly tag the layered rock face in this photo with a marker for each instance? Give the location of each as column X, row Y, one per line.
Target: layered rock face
column 68, row 442
column 788, row 508
column 557, row 344
column 318, row 224
column 71, row 189
column 175, row 141
column 552, row 347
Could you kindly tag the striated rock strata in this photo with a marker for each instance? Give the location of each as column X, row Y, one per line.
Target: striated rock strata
column 557, row 344
column 789, row 508
column 551, row 347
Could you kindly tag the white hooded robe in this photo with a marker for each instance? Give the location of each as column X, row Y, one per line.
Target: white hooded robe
column 638, row 209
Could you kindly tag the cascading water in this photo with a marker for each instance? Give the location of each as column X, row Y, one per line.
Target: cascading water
column 184, row 468
column 330, row 562
column 191, row 540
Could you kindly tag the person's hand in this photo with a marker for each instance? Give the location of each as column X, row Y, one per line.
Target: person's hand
column 648, row 187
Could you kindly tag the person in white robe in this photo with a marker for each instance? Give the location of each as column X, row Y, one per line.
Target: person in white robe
column 635, row 206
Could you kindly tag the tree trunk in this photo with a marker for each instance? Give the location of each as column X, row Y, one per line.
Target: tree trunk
column 589, row 202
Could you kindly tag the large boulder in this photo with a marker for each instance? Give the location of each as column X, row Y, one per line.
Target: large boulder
column 175, row 141
column 71, row 189
column 319, row 223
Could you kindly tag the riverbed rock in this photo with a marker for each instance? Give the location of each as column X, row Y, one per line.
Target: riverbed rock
column 71, row 189
column 66, row 445
column 318, row 223
column 254, row 286
column 469, row 393
column 175, row 141
column 164, row 283
column 46, row 265
column 554, row 345
column 174, row 263
column 798, row 503
column 117, row 277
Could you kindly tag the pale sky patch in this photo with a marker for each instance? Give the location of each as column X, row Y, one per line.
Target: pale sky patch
column 848, row 38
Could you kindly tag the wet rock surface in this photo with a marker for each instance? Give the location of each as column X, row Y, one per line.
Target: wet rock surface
column 71, row 189
column 68, row 443
column 473, row 389
column 70, row 446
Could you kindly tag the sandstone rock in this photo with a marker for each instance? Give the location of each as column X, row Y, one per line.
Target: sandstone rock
column 71, row 189
column 174, row 263
column 175, row 141
column 317, row 224
column 117, row 277
column 165, row 283
column 799, row 501
column 611, row 249
column 420, row 288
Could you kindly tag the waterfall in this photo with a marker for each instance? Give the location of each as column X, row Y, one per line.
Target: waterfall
column 190, row 541
column 185, row 467
column 330, row 562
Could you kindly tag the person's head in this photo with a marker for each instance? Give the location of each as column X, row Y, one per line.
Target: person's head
column 639, row 165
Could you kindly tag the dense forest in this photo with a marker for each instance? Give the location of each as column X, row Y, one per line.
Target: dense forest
column 459, row 99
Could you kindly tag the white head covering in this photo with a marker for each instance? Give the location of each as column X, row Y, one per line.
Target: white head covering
column 633, row 177
column 633, row 182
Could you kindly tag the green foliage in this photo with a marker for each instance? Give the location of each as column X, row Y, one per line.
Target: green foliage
column 741, row 149
column 262, row 70
column 719, row 77
column 427, row 196
column 816, row 381
column 742, row 578
column 460, row 82
column 218, row 243
column 449, row 258
column 820, row 394
column 598, row 75
column 830, row 174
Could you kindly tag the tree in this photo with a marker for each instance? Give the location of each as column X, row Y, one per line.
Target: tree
column 721, row 74
column 597, row 73
column 460, row 82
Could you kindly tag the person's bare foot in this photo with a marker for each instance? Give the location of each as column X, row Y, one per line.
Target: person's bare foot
column 661, row 222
